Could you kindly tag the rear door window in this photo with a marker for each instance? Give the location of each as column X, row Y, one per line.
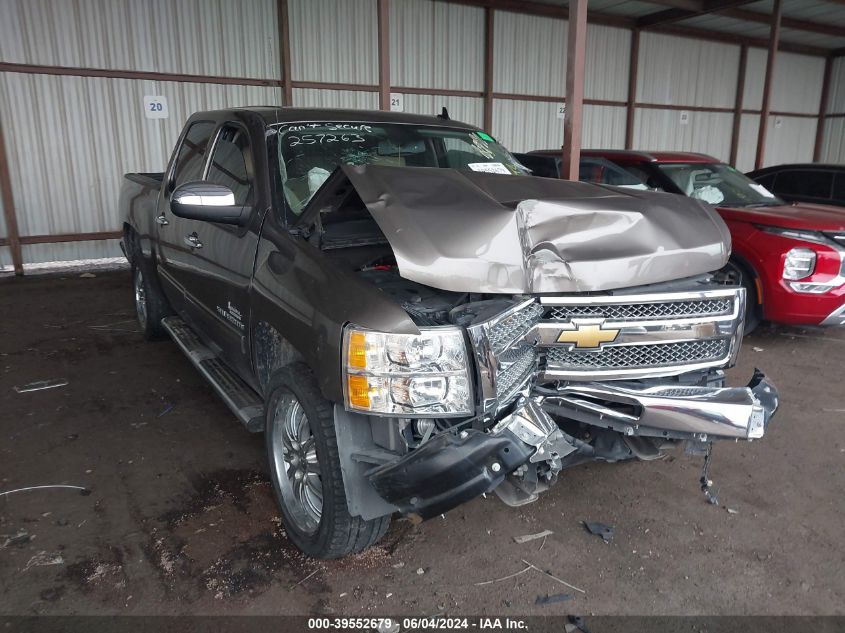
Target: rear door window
column 190, row 160
column 839, row 186
column 805, row 183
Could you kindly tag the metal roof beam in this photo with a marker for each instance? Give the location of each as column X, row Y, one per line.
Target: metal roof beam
column 785, row 22
column 668, row 16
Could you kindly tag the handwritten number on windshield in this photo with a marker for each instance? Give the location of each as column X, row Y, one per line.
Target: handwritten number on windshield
column 322, row 139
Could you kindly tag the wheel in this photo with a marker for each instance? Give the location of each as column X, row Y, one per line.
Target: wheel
column 305, row 469
column 150, row 304
column 735, row 274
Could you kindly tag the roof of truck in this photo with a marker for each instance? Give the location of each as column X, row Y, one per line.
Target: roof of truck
column 273, row 115
column 645, row 157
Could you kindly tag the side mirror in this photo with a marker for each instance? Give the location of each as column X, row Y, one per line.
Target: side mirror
column 208, row 202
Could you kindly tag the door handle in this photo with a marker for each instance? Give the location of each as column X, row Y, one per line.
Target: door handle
column 193, row 240
column 160, row 219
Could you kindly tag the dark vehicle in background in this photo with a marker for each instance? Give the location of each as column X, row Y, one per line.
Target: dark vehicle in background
column 413, row 322
column 789, row 257
column 546, row 164
column 804, row 182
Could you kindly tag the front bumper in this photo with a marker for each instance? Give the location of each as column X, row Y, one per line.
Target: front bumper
column 678, row 412
column 837, row 317
column 451, row 469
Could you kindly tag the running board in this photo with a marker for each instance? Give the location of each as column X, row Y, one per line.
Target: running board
column 240, row 398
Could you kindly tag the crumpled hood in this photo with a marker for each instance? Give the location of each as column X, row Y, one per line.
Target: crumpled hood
column 477, row 232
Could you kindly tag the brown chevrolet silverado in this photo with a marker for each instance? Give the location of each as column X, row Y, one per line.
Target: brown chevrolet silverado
column 412, row 320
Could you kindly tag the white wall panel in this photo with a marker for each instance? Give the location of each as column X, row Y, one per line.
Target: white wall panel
column 197, row 37
column 790, row 142
column 465, row 109
column 354, row 99
column 607, row 63
column 747, row 145
column 706, row 132
column 522, row 126
column 604, row 127
column 73, row 138
column 836, row 91
column 70, row 251
column 833, row 148
column 436, row 45
column 684, row 71
column 755, row 77
column 334, row 41
column 529, row 54
column 797, row 83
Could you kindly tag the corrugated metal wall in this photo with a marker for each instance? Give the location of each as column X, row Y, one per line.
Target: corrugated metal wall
column 833, row 148
column 194, row 37
column 70, row 138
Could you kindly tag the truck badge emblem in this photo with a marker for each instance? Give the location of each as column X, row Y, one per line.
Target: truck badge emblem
column 587, row 336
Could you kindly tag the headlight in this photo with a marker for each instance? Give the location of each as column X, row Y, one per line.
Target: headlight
column 413, row 375
column 799, row 263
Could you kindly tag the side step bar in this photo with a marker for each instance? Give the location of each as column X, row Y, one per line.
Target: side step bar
column 241, row 399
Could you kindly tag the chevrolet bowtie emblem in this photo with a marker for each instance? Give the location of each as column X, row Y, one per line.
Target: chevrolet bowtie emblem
column 586, row 336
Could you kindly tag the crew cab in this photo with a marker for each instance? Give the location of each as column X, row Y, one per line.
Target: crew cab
column 789, row 257
column 413, row 321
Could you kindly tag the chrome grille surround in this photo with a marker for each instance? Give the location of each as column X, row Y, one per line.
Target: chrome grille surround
column 626, row 356
column 644, row 311
column 513, row 347
column 697, row 332
column 505, row 354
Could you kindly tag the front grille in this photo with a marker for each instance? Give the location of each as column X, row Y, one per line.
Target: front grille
column 506, row 331
column 638, row 356
column 517, row 366
column 643, row 311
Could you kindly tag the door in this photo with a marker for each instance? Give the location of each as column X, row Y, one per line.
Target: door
column 175, row 255
column 217, row 279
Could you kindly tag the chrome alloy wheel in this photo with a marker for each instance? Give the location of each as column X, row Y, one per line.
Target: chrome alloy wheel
column 140, row 298
column 294, row 464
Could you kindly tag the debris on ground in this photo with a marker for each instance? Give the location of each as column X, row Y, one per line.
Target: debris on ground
column 555, row 578
column 732, row 511
column 82, row 490
column 40, row 385
column 508, row 577
column 21, row 538
column 420, row 571
column 705, row 481
column 757, row 349
column 575, row 623
column 600, row 529
column 530, row 537
column 165, row 411
column 552, row 599
column 399, row 565
column 307, row 577
column 43, row 559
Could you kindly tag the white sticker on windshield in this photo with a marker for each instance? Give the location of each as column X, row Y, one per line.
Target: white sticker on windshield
column 490, row 168
column 762, row 190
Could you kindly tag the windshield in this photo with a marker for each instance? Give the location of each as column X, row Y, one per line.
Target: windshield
column 718, row 184
column 310, row 152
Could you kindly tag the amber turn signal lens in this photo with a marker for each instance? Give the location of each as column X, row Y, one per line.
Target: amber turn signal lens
column 359, row 391
column 357, row 353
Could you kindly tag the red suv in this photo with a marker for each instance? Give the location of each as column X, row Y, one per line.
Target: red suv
column 790, row 257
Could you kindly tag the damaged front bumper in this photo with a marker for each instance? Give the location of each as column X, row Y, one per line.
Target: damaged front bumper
column 451, row 469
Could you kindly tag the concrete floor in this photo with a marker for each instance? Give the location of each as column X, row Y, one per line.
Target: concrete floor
column 181, row 519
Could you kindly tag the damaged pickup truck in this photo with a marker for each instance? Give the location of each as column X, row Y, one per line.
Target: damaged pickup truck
column 413, row 321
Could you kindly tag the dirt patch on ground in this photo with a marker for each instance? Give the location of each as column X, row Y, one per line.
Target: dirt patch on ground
column 181, row 517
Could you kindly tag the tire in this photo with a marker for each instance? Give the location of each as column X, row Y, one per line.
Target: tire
column 151, row 305
column 303, row 458
column 737, row 274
